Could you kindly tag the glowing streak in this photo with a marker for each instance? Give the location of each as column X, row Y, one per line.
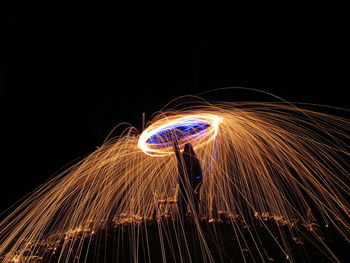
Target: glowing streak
column 267, row 162
column 158, row 139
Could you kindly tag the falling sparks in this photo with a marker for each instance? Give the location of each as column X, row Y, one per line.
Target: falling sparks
column 261, row 161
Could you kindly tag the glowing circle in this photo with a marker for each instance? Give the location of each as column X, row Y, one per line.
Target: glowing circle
column 158, row 139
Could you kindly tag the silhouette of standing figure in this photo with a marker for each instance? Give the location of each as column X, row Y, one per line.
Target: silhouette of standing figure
column 190, row 177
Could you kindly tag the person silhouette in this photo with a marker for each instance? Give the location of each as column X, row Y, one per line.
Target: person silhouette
column 190, row 177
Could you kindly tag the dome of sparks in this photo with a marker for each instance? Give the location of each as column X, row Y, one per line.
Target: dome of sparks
column 158, row 139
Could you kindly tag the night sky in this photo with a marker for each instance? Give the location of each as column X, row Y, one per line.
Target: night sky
column 71, row 72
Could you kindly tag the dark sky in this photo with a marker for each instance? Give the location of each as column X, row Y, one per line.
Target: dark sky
column 71, row 72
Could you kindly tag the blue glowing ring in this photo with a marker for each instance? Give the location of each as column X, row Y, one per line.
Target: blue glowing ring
column 158, row 139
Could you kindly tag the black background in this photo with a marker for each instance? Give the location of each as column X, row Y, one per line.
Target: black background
column 71, row 72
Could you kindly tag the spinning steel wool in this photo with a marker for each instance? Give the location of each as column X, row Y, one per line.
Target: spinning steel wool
column 260, row 161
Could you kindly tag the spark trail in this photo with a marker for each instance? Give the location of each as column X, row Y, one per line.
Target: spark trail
column 261, row 160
